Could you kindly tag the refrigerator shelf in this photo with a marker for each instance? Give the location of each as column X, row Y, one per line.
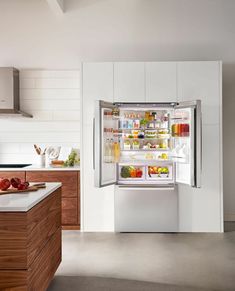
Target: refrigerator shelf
column 180, row 118
column 145, row 138
column 144, row 162
column 180, row 137
column 147, row 150
column 144, row 128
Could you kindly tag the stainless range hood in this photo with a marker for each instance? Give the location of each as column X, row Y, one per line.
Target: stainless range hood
column 10, row 93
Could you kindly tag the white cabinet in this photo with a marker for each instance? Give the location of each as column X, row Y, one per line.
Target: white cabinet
column 129, row 82
column 97, row 84
column 201, row 210
column 201, row 80
column 161, row 82
column 97, row 203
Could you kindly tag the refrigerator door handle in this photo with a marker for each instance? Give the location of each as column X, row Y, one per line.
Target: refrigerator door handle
column 93, row 143
column 147, row 189
column 198, row 146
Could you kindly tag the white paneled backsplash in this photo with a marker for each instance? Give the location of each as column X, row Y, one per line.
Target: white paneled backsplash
column 53, row 98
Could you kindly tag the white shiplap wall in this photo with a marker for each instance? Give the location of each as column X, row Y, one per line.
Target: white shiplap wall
column 53, row 98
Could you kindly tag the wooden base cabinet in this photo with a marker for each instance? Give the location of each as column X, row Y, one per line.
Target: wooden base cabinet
column 70, row 193
column 30, row 246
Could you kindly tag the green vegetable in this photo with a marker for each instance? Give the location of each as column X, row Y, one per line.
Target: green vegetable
column 143, row 122
column 125, row 171
column 73, row 159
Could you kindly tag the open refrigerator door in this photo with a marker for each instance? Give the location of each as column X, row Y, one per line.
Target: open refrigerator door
column 105, row 144
column 186, row 143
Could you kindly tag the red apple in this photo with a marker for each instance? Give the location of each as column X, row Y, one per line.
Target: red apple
column 26, row 184
column 22, row 186
column 15, row 182
column 4, row 184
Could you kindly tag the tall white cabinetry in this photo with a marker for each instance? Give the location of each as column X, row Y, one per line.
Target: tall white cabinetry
column 202, row 209
column 161, row 82
column 129, row 82
column 97, row 204
column 194, row 210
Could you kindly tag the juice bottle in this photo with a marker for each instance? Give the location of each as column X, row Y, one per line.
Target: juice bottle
column 106, row 151
column 147, row 114
column 173, row 129
column 186, row 129
column 116, row 150
column 111, row 151
column 181, row 129
column 177, row 129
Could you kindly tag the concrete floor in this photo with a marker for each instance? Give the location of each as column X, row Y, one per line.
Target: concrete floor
column 193, row 260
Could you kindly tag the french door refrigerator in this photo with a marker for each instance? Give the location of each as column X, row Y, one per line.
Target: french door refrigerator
column 146, row 148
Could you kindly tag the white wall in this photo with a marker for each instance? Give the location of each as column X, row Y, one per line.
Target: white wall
column 53, row 98
column 134, row 30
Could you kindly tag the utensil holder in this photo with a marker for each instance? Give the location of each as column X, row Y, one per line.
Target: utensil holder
column 41, row 160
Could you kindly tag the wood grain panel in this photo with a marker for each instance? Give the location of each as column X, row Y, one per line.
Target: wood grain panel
column 40, row 273
column 13, row 280
column 68, row 179
column 12, row 174
column 70, row 189
column 30, row 245
column 79, row 208
column 44, row 267
column 43, row 221
column 13, row 240
column 69, row 211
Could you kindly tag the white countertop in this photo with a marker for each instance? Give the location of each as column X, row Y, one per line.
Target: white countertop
column 40, row 168
column 23, row 202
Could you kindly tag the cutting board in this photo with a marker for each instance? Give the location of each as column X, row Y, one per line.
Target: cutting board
column 29, row 189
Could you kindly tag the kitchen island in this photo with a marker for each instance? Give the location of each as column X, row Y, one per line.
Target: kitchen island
column 30, row 238
column 70, row 192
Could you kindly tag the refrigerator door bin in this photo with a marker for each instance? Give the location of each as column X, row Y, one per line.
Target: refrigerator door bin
column 186, row 138
column 104, row 126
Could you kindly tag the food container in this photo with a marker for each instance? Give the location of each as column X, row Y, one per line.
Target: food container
column 131, row 172
column 136, row 145
column 127, row 145
column 150, row 134
column 159, row 172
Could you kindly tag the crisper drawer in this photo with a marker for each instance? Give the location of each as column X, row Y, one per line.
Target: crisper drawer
column 159, row 172
column 154, row 173
column 131, row 173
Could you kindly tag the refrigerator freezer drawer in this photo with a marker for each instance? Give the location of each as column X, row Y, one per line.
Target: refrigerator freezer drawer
column 146, row 210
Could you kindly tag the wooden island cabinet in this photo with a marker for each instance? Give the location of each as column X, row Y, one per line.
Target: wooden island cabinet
column 70, row 180
column 70, row 193
column 30, row 239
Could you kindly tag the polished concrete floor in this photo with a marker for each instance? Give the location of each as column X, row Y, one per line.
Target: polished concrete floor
column 170, row 261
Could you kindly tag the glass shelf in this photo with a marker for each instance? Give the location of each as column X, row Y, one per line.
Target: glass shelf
column 144, row 128
column 181, row 136
column 144, row 162
column 145, row 138
column 146, row 150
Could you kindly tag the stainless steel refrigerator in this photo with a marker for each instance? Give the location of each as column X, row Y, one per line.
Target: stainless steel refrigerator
column 146, row 149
